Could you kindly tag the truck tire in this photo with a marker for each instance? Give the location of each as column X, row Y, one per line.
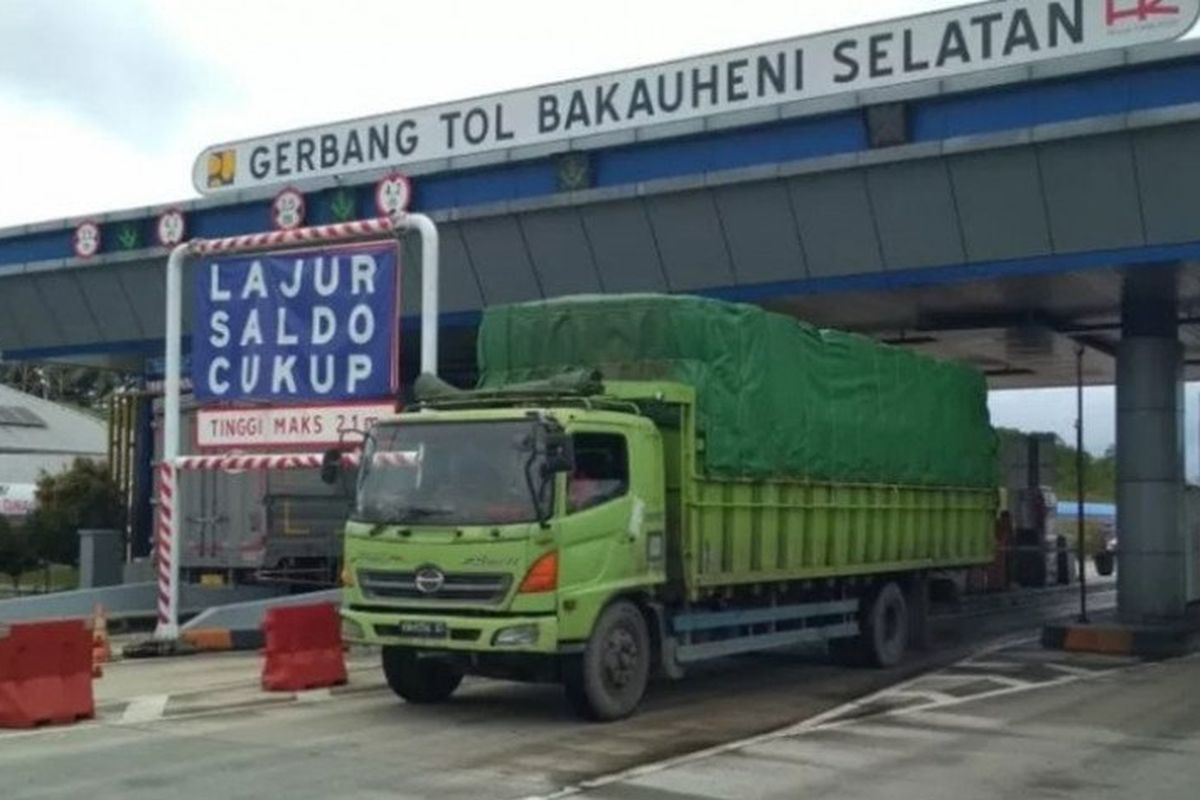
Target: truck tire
column 885, row 627
column 608, row 680
column 420, row 680
column 884, row 624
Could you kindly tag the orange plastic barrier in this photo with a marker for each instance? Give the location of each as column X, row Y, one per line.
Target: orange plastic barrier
column 303, row 648
column 45, row 674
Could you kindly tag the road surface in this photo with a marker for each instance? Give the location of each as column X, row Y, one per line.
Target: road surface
column 1015, row 724
column 200, row 727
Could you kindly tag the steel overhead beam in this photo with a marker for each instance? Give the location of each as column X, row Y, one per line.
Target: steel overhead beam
column 1094, row 343
column 1077, row 333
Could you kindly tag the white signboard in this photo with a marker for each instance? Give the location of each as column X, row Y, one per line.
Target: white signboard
column 291, row 426
column 17, row 499
column 937, row 45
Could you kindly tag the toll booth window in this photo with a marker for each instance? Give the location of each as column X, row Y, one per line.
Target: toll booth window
column 601, row 470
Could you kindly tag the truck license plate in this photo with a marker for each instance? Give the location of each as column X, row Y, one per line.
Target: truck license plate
column 423, row 629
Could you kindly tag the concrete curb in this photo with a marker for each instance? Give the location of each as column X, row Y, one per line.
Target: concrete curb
column 1115, row 639
column 213, row 640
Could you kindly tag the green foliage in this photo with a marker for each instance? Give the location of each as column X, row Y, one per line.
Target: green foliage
column 1099, row 472
column 83, row 496
column 17, row 552
column 1099, row 475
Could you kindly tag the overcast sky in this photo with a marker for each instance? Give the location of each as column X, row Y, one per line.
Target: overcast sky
column 105, row 105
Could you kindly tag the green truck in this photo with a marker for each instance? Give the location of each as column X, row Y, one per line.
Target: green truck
column 640, row 483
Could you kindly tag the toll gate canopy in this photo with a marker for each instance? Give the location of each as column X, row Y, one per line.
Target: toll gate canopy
column 986, row 215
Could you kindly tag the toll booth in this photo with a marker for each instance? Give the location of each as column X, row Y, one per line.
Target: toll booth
column 1038, row 555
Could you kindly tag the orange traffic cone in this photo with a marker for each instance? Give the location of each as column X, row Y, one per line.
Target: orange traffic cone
column 101, row 649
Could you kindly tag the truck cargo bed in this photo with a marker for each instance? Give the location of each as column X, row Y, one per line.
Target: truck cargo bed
column 740, row 532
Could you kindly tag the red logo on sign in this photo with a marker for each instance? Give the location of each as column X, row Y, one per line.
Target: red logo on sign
column 1141, row 10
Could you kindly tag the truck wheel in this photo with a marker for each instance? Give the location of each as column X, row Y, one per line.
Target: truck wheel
column 885, row 627
column 419, row 680
column 607, row 682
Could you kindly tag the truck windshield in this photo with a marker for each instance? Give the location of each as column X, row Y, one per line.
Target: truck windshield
column 471, row 473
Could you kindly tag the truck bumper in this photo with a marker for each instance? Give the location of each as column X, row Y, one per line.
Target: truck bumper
column 509, row 634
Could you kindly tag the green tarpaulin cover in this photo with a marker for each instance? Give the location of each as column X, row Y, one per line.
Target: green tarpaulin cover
column 775, row 397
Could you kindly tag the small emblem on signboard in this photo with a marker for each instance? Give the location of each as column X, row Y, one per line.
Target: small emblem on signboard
column 393, row 194
column 287, row 210
column 342, row 205
column 171, row 227
column 222, row 166
column 87, row 240
column 1141, row 11
column 129, row 237
column 574, row 172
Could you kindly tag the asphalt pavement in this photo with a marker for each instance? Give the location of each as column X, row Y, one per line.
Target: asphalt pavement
column 1015, row 723
column 200, row 727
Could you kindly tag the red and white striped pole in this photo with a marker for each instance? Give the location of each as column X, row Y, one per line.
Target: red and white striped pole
column 271, row 240
column 278, row 461
column 166, row 554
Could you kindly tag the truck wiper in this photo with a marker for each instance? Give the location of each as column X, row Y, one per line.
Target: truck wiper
column 422, row 512
column 535, row 491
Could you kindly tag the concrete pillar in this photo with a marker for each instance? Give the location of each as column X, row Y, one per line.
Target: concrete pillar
column 1152, row 572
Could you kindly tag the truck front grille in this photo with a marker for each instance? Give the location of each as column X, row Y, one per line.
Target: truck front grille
column 461, row 587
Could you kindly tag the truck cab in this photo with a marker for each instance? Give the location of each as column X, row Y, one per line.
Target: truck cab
column 490, row 537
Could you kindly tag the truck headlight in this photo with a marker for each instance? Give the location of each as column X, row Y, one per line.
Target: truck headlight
column 516, row 636
column 351, row 630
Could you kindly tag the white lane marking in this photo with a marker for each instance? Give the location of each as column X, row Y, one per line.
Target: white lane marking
column 949, row 680
column 829, row 720
column 991, row 664
column 145, row 709
column 314, row 696
column 1004, row 680
column 928, row 695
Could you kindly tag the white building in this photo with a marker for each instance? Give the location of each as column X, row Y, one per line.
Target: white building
column 38, row 436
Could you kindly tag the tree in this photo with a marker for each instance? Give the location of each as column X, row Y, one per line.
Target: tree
column 17, row 553
column 1099, row 473
column 82, row 496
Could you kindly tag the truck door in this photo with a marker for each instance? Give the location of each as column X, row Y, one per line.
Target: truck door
column 613, row 523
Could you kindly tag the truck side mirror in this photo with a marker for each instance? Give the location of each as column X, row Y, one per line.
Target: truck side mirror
column 559, row 453
column 331, row 466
